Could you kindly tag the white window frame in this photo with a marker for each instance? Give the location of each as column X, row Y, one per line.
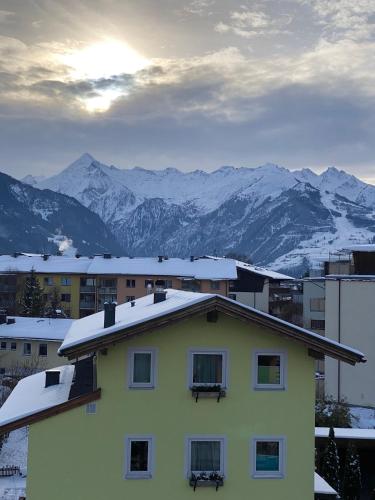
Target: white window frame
column 203, row 437
column 23, row 349
column 282, row 386
column 280, row 474
column 225, row 371
column 150, row 457
column 153, row 378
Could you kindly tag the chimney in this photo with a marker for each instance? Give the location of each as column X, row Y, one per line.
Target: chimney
column 45, row 256
column 109, row 314
column 107, row 256
column 160, row 258
column 3, row 316
column 11, row 321
column 52, row 377
column 160, row 295
column 191, row 258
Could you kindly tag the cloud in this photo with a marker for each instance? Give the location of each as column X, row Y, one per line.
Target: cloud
column 199, row 7
column 248, row 23
column 344, row 18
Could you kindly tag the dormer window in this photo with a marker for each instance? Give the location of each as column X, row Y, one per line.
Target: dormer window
column 208, row 368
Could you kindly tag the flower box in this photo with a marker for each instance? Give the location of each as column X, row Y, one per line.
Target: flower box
column 214, row 480
column 207, row 391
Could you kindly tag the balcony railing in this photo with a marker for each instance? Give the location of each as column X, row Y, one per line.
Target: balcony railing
column 86, row 305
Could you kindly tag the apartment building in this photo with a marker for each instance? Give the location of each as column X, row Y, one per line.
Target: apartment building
column 237, row 384
column 84, row 284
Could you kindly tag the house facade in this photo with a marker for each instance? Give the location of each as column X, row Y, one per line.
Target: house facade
column 28, row 345
column 191, row 392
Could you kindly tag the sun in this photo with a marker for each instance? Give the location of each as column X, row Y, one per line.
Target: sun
column 103, row 60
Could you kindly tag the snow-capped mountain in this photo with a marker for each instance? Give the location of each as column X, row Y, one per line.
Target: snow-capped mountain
column 275, row 215
column 34, row 220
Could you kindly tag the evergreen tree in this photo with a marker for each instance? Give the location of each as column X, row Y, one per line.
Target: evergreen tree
column 351, row 487
column 32, row 301
column 330, row 465
column 54, row 303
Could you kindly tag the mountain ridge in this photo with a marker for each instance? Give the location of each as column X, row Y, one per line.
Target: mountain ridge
column 230, row 209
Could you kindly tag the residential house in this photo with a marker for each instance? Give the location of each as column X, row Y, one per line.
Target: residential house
column 30, row 344
column 189, row 390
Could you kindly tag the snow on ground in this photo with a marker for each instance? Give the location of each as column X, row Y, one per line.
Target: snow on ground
column 14, row 453
column 365, row 417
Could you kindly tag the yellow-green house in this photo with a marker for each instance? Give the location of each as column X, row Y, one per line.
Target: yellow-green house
column 178, row 394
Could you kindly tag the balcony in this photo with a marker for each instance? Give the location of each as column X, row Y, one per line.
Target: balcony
column 87, row 305
column 87, row 289
column 107, row 290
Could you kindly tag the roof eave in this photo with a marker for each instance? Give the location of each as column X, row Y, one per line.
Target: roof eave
column 231, row 308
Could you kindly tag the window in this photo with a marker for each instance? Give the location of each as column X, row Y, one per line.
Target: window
column 65, row 297
column 215, row 285
column 43, row 349
column 91, row 408
column 108, row 283
column 318, row 324
column 130, row 283
column 205, row 454
column 317, row 304
column 269, row 370
column 65, row 281
column 164, row 283
column 3, row 346
column 13, row 346
column 130, row 298
column 48, row 281
column 142, row 368
column 149, row 283
column 208, row 368
column 27, row 349
column 139, row 457
column 268, row 457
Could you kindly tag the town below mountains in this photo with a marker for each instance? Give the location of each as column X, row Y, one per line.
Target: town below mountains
column 287, row 220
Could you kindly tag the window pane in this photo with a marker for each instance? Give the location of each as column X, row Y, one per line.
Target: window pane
column 207, row 368
column 142, row 368
column 205, row 456
column 268, row 369
column 267, row 456
column 139, row 456
column 42, row 349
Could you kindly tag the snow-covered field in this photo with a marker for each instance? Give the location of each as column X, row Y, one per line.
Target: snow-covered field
column 14, row 453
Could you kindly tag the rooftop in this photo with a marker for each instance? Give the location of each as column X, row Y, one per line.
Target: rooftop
column 54, row 329
column 147, row 266
column 346, row 433
column 86, row 332
column 321, row 487
column 261, row 271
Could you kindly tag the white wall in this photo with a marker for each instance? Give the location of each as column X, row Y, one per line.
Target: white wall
column 312, row 289
column 258, row 300
column 352, row 323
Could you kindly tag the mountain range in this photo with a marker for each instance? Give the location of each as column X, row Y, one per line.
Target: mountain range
column 278, row 217
column 34, row 220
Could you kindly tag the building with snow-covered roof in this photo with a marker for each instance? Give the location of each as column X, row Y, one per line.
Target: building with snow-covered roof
column 84, row 284
column 30, row 344
column 173, row 392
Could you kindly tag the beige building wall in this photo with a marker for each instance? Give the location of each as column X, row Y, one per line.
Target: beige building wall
column 13, row 360
column 350, row 319
column 313, row 299
column 258, row 300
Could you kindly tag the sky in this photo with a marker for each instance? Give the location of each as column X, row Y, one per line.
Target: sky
column 192, row 84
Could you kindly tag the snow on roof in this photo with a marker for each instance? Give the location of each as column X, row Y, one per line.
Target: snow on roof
column 92, row 327
column 362, row 248
column 36, row 328
column 345, row 433
column 321, row 486
column 261, row 271
column 198, row 268
column 30, row 395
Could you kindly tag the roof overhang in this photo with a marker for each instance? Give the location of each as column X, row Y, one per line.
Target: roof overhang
column 318, row 345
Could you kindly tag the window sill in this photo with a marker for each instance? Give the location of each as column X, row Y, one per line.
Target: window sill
column 269, row 388
column 141, row 387
column 276, row 475
column 139, row 476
